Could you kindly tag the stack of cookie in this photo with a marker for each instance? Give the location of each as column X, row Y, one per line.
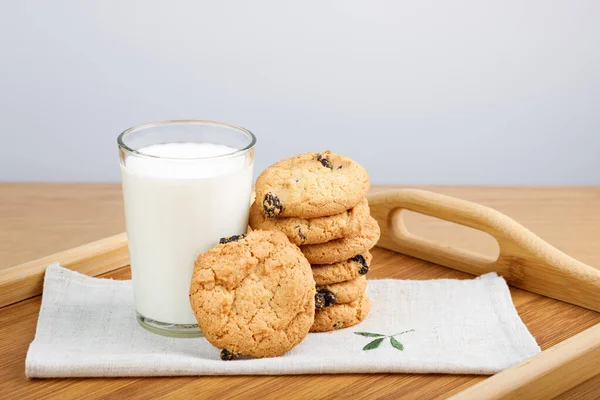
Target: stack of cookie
column 319, row 201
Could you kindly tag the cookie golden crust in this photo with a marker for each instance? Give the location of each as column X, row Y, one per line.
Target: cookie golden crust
column 316, row 230
column 311, row 185
column 328, row 274
column 348, row 291
column 254, row 296
column 341, row 316
column 343, row 249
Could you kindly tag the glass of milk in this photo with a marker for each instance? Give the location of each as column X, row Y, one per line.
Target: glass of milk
column 186, row 184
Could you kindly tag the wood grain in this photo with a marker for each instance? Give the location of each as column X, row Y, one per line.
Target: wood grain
column 39, row 219
column 569, row 218
column 543, row 376
column 24, row 281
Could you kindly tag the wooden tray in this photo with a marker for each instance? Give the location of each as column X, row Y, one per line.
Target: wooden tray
column 552, row 372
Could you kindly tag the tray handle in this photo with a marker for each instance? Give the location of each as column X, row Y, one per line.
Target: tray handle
column 26, row 280
column 525, row 260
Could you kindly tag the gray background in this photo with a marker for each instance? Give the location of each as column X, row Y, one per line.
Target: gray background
column 447, row 92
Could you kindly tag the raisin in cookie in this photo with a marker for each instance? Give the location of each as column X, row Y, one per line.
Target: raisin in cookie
column 327, row 274
column 253, row 295
column 342, row 249
column 345, row 292
column 341, row 315
column 316, row 230
column 311, row 185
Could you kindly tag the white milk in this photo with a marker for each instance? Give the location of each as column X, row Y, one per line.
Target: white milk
column 176, row 209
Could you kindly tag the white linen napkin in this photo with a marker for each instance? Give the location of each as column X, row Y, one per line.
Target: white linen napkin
column 87, row 328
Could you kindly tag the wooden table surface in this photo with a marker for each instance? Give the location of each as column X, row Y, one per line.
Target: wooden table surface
column 38, row 219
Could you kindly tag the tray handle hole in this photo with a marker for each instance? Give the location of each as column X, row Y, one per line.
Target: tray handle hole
column 446, row 233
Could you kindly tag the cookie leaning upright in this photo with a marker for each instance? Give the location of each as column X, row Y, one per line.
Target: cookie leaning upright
column 311, row 185
column 253, row 295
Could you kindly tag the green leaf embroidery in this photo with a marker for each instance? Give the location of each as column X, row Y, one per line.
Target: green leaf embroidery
column 396, row 344
column 369, row 334
column 377, row 342
column 374, row 344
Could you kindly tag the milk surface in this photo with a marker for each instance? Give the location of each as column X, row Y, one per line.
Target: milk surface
column 175, row 209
